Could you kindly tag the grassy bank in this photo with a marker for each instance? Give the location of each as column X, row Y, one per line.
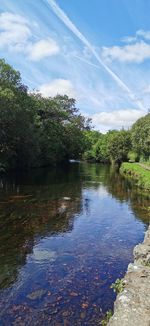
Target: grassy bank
column 138, row 173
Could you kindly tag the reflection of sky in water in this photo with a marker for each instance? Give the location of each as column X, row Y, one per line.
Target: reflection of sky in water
column 77, row 240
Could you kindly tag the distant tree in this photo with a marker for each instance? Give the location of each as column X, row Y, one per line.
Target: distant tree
column 91, row 138
column 140, row 134
column 100, row 149
column 119, row 146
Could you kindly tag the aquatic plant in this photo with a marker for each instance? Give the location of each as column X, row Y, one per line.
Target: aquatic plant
column 106, row 318
column 118, row 286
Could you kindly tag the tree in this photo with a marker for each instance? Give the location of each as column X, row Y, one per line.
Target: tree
column 100, row 149
column 17, row 136
column 119, row 146
column 35, row 130
column 140, row 134
column 90, row 138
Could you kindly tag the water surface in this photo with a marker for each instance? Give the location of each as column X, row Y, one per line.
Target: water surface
column 65, row 235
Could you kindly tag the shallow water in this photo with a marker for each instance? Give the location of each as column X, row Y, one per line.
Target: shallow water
column 65, row 235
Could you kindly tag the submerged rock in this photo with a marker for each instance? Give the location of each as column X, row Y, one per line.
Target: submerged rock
column 40, row 255
column 66, row 198
column 38, row 294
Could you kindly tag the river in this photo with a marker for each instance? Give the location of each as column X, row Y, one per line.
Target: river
column 65, row 235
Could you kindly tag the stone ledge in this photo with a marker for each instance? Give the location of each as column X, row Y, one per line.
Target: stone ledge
column 132, row 306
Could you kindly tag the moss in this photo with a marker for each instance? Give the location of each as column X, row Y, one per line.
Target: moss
column 147, row 264
column 138, row 173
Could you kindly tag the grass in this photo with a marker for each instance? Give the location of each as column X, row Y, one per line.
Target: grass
column 146, row 163
column 138, row 173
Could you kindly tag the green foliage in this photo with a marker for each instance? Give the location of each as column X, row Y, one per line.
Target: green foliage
column 147, row 164
column 106, row 318
column 119, row 146
column 140, row 134
column 138, row 173
column 100, row 149
column 118, row 286
column 38, row 131
column 34, row 130
column 133, row 156
column 96, row 147
column 17, row 136
column 91, row 138
column 113, row 146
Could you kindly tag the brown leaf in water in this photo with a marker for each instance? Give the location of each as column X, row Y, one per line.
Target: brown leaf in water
column 83, row 315
column 85, row 305
column 65, row 313
column 74, row 294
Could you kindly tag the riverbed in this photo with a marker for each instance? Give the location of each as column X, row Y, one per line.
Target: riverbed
column 65, row 235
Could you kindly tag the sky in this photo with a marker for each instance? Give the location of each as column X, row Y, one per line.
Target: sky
column 97, row 51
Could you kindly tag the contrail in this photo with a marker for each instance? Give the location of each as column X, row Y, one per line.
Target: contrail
column 66, row 20
column 135, row 99
column 86, row 61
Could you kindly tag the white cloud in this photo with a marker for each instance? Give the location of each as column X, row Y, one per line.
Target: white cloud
column 16, row 35
column 144, row 34
column 116, row 119
column 58, row 86
column 137, row 52
column 43, row 48
column 140, row 34
column 146, row 90
column 129, row 39
column 14, row 29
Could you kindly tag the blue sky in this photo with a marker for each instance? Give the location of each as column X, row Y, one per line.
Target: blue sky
column 97, row 51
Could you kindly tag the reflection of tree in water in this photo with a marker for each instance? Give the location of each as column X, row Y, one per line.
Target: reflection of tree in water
column 45, row 204
column 125, row 190
column 119, row 187
column 24, row 218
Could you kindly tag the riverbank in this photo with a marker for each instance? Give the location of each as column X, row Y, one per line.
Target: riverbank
column 138, row 172
column 132, row 306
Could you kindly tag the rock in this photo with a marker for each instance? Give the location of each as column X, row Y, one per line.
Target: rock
column 66, row 198
column 40, row 255
column 62, row 209
column 38, row 294
column 141, row 251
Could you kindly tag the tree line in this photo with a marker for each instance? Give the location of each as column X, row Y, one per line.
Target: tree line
column 37, row 131
column 34, row 130
column 120, row 145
